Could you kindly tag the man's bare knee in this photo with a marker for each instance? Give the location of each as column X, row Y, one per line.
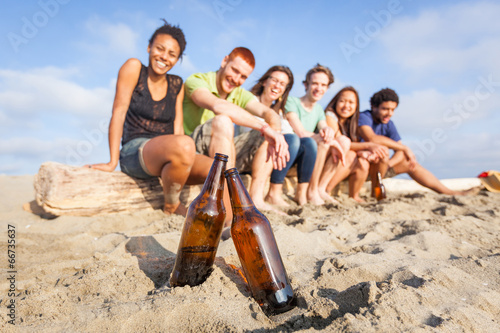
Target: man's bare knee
column 404, row 167
column 222, row 126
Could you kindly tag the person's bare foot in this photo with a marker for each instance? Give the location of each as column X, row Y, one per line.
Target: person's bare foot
column 178, row 209
column 327, row 197
column 277, row 200
column 264, row 206
column 301, row 194
column 357, row 198
column 315, row 199
column 301, row 200
column 472, row 191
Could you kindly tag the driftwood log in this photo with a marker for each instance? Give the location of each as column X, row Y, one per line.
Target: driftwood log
column 62, row 189
column 68, row 190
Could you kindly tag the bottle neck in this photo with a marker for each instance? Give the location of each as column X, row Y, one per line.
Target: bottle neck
column 379, row 176
column 214, row 183
column 237, row 191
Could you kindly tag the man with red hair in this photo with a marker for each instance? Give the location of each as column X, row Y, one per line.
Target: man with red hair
column 213, row 103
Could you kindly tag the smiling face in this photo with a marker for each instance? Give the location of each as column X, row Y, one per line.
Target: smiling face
column 232, row 74
column 317, row 86
column 346, row 105
column 275, row 85
column 384, row 111
column 164, row 53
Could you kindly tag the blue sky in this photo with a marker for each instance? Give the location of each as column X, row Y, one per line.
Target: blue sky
column 59, row 60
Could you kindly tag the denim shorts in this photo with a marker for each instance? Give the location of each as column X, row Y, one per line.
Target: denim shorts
column 131, row 160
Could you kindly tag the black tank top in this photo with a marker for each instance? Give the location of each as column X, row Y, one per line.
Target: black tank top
column 147, row 118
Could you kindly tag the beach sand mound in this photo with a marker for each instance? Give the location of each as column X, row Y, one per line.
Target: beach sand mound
column 418, row 261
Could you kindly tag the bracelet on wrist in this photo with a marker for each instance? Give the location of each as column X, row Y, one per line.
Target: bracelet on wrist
column 263, row 128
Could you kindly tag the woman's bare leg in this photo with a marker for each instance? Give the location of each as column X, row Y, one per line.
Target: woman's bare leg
column 329, row 170
column 301, row 193
column 170, row 157
column 358, row 177
column 275, row 195
column 312, row 191
column 340, row 173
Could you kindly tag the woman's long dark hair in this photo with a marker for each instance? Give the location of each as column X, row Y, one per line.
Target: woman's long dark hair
column 258, row 88
column 350, row 126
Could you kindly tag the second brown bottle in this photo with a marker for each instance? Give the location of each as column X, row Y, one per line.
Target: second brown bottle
column 258, row 252
column 202, row 230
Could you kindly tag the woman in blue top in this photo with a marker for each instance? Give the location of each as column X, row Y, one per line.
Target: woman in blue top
column 147, row 119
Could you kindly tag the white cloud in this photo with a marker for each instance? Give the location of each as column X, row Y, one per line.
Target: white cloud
column 449, row 39
column 423, row 111
column 451, row 50
column 28, row 146
column 109, row 39
column 50, row 90
column 459, row 155
column 25, row 154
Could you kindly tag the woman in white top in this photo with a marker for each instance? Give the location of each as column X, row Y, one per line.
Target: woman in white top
column 272, row 90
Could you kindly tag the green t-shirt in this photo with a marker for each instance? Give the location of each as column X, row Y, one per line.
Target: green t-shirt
column 308, row 119
column 195, row 115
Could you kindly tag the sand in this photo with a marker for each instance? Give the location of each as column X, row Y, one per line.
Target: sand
column 417, row 262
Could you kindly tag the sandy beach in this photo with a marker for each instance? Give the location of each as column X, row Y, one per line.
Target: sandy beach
column 416, row 262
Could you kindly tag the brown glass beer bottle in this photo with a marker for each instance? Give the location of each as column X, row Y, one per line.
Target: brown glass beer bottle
column 380, row 188
column 202, row 230
column 258, row 252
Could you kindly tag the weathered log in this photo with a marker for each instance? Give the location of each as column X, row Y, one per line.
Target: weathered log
column 68, row 190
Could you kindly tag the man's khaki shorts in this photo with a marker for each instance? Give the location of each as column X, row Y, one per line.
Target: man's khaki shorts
column 246, row 145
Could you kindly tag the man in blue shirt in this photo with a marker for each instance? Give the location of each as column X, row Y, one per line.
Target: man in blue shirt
column 376, row 126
